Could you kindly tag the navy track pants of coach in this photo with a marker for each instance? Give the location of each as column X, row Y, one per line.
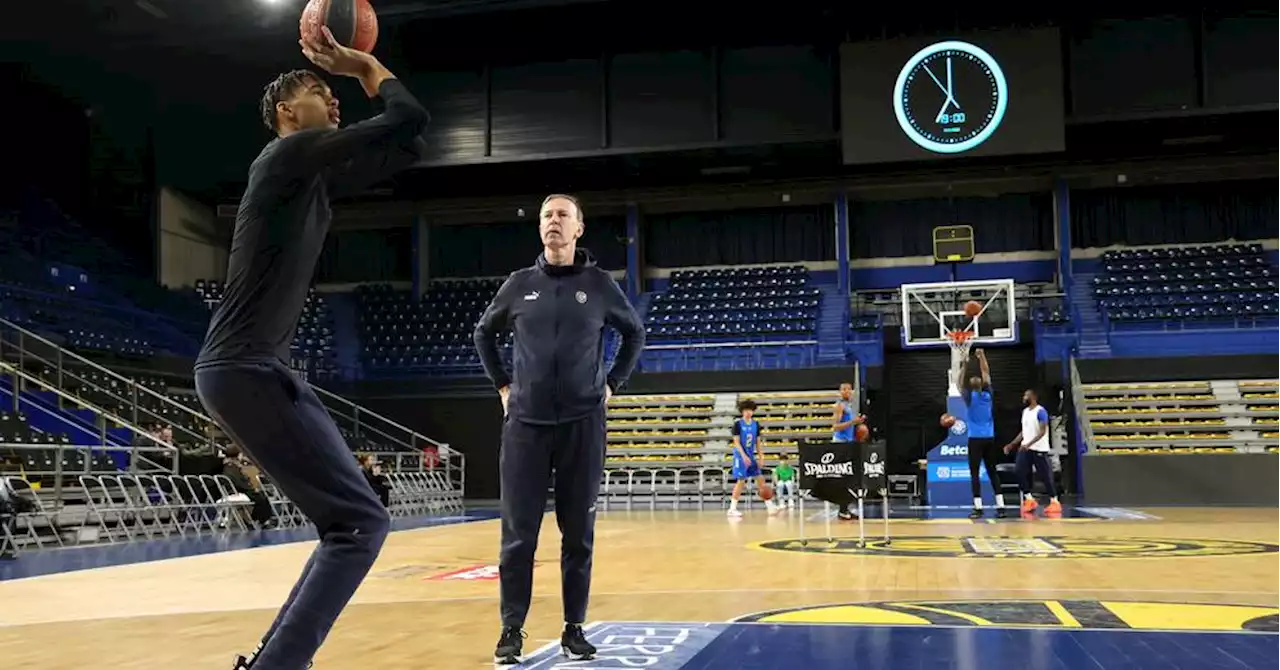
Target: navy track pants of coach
column 278, row 421
column 530, row 454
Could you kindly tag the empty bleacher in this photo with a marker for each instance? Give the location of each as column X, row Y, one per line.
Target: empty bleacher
column 1183, row 417
column 431, row 335
column 1164, row 287
column 750, row 317
column 667, row 449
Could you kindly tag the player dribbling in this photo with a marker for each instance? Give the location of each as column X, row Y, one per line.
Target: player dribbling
column 748, row 454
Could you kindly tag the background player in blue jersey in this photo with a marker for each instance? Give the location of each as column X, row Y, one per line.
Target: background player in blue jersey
column 748, row 454
column 844, row 421
column 844, row 416
column 982, row 436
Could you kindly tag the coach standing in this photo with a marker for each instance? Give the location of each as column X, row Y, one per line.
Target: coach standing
column 554, row 407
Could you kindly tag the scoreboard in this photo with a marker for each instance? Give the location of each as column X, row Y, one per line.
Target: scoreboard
column 953, row 244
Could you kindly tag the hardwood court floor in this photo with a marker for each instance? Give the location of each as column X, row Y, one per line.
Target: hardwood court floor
column 686, row 566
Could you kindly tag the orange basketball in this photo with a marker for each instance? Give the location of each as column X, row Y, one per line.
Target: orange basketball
column 947, row 421
column 972, row 308
column 766, row 492
column 352, row 22
column 862, row 432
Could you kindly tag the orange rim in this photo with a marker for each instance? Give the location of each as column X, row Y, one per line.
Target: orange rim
column 960, row 335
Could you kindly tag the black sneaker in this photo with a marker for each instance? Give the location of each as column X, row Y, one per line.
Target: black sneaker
column 574, row 645
column 1002, row 512
column 976, row 513
column 243, row 663
column 510, row 646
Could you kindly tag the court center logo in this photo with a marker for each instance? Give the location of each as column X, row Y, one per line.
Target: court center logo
column 1043, row 547
column 1075, row 614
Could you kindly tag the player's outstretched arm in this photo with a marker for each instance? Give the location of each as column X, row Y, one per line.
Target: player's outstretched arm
column 984, row 368
column 381, row 143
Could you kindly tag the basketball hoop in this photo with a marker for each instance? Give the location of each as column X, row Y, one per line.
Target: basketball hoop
column 960, row 341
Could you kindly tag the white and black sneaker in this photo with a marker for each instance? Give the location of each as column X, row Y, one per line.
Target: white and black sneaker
column 510, row 646
column 574, row 645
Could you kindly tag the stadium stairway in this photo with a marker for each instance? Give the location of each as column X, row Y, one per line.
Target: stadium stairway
column 345, row 309
column 1091, row 327
column 833, row 321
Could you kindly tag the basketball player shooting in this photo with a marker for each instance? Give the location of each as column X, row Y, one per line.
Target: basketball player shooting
column 1033, row 453
column 242, row 376
column 748, row 454
column 982, row 433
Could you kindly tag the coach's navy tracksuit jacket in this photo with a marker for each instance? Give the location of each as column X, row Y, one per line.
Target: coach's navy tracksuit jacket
column 555, row 419
column 558, row 315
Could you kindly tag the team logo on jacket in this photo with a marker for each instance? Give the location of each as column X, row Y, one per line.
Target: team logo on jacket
column 580, row 297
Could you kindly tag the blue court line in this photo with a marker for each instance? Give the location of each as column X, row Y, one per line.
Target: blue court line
column 760, row 646
column 70, row 559
column 767, row 646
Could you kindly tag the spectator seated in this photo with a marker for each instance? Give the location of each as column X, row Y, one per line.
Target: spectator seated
column 313, row 343
column 1183, row 417
column 1188, row 286
column 432, row 335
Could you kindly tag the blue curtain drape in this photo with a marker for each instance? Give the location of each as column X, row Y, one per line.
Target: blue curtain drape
column 895, row 228
column 497, row 249
column 1174, row 214
column 741, row 237
column 367, row 256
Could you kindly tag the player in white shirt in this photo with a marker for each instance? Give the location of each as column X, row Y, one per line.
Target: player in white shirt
column 1033, row 451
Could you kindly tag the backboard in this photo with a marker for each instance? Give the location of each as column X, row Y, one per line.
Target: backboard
column 929, row 311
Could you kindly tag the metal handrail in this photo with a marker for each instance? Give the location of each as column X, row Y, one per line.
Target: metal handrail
column 453, row 461
column 1082, row 412
column 102, row 413
column 64, row 352
column 358, row 410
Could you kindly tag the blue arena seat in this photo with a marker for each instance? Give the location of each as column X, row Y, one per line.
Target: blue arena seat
column 739, row 304
column 313, row 344
column 733, row 319
column 1144, row 287
column 431, row 335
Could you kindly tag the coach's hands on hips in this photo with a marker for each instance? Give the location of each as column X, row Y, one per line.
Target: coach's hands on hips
column 504, row 393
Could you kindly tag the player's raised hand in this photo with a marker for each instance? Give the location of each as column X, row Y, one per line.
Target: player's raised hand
column 334, row 58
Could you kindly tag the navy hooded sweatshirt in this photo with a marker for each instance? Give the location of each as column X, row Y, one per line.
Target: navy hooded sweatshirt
column 558, row 315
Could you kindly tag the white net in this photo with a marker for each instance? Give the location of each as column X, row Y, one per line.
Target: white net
column 960, row 342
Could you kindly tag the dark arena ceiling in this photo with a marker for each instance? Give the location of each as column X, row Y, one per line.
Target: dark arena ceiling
column 207, row 43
